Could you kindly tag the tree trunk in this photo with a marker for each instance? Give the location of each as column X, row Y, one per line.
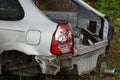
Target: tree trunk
column 60, row 5
column 91, row 0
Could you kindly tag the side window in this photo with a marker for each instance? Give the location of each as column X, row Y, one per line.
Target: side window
column 11, row 10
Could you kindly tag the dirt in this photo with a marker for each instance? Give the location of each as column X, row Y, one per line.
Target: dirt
column 114, row 55
column 112, row 78
column 114, row 52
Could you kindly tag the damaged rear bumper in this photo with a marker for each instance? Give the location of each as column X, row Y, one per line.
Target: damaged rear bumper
column 53, row 66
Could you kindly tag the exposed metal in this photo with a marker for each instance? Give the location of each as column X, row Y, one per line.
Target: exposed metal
column 110, row 72
column 15, row 37
column 87, row 61
column 47, row 66
column 105, row 70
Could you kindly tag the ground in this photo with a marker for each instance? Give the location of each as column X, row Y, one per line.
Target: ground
column 111, row 8
column 113, row 60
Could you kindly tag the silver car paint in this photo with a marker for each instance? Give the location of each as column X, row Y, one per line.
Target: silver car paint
column 13, row 33
column 13, row 37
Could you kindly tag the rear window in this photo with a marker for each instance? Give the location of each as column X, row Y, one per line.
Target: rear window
column 11, row 10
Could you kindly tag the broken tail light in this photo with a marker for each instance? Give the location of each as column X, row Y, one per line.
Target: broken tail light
column 62, row 42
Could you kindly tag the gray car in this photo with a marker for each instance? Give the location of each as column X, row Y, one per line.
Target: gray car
column 36, row 42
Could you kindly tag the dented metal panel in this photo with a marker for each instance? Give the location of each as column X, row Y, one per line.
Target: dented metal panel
column 87, row 61
column 85, row 56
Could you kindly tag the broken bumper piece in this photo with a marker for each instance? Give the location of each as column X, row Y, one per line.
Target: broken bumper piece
column 47, row 67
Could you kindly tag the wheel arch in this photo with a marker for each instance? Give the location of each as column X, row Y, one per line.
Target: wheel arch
column 19, row 47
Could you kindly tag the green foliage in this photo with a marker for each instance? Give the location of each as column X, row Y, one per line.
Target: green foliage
column 112, row 9
column 42, row 4
column 114, row 64
column 97, row 77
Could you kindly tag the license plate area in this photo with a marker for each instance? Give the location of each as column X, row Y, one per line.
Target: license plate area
column 64, row 63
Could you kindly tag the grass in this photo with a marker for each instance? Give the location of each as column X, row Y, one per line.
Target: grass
column 114, row 64
column 98, row 77
column 111, row 64
column 110, row 8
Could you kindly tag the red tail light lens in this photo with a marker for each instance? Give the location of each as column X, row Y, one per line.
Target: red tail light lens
column 62, row 42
